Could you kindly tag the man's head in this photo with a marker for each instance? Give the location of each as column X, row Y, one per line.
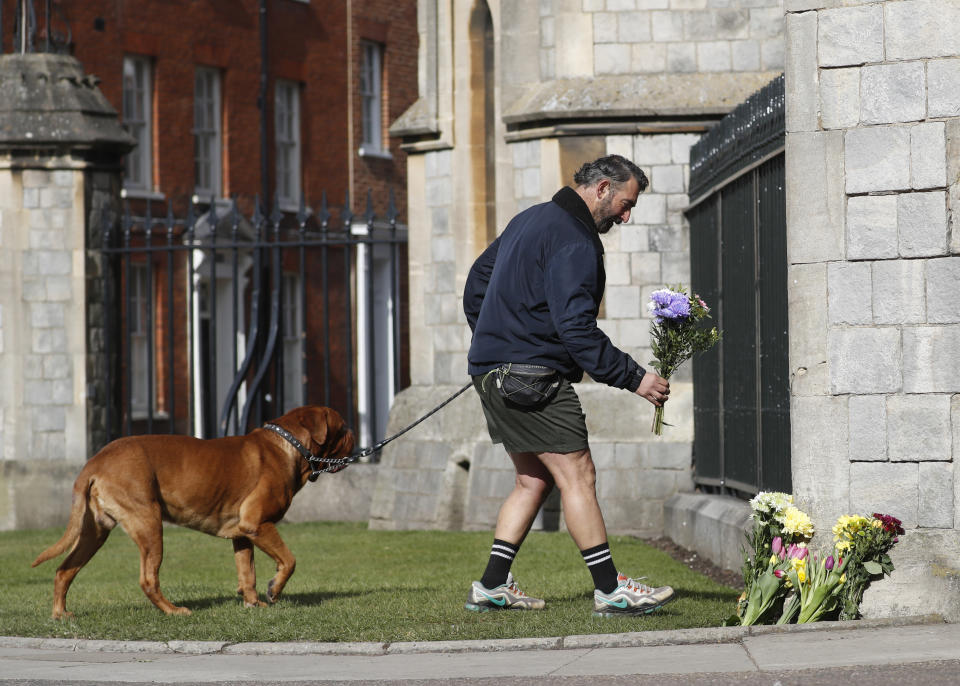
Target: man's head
column 610, row 186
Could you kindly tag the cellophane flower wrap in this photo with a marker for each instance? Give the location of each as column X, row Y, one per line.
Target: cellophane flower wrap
column 776, row 542
column 865, row 542
column 677, row 334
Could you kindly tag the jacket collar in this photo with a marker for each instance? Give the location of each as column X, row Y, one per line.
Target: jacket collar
column 571, row 202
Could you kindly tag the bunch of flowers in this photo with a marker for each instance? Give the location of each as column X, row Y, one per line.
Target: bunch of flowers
column 865, row 542
column 677, row 334
column 782, row 576
column 780, row 532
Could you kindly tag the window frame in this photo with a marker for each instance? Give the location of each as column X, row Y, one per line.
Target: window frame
column 138, row 163
column 208, row 131
column 370, row 89
column 287, row 143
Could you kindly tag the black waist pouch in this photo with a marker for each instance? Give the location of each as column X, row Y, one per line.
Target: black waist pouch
column 526, row 385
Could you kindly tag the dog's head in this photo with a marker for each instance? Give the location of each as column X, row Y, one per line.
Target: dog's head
column 327, row 434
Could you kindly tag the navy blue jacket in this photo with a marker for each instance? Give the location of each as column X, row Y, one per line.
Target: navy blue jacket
column 534, row 294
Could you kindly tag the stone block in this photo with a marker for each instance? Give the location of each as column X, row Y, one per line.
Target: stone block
column 634, row 238
column 649, row 57
column 745, row 55
column 955, row 423
column 943, row 285
column 667, row 26
column 848, row 284
column 772, row 54
column 651, row 150
column 611, row 58
column 821, row 469
column 917, row 29
column 667, row 179
column 915, row 428
column 808, row 329
column 923, row 224
column 681, row 58
column 898, row 292
column 675, row 267
column 839, row 98
column 669, row 238
column 650, row 209
column 633, row 27
column 645, row 268
column 623, row 302
column 815, row 200
column 892, row 93
column 930, row 360
column 800, row 74
column 936, row 509
column 877, row 159
column 667, row 455
column 850, row 35
column 887, row 487
column 943, row 96
column 766, row 22
column 926, row 578
column 864, row 361
column 868, row 428
column 872, row 227
column 928, row 160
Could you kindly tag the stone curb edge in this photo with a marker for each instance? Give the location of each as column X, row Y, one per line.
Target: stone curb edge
column 709, row 635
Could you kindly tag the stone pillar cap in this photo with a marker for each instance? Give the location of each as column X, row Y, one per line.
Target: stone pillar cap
column 47, row 102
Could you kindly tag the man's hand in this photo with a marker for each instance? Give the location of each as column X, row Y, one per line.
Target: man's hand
column 654, row 388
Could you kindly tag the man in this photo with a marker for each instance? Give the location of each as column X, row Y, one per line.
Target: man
column 532, row 300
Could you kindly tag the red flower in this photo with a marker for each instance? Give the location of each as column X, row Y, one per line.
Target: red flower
column 890, row 523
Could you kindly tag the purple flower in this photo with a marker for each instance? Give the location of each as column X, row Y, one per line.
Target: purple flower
column 777, row 546
column 828, row 563
column 667, row 304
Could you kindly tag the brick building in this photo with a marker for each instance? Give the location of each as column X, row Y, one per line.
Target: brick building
column 277, row 99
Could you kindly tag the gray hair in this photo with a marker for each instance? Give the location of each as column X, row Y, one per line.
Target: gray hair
column 614, row 168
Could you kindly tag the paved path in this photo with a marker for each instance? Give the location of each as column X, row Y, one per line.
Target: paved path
column 701, row 656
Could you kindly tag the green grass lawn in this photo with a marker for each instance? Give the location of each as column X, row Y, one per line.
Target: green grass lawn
column 351, row 584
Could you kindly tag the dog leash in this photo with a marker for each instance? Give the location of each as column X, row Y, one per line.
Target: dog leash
column 334, row 462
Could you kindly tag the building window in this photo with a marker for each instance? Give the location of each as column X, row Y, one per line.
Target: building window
column 371, row 98
column 292, row 351
column 137, row 119
column 139, row 343
column 206, row 132
column 287, row 112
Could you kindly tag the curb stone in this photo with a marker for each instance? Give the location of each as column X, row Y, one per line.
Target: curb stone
column 708, row 635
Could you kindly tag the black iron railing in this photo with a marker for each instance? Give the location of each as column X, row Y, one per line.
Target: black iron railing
column 37, row 27
column 216, row 322
column 739, row 262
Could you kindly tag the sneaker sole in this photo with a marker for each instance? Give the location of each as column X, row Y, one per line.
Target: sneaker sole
column 478, row 608
column 632, row 613
column 473, row 607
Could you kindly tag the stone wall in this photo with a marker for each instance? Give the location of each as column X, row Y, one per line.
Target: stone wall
column 640, row 78
column 873, row 134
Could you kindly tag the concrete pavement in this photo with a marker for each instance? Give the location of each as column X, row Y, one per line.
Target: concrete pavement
column 712, row 651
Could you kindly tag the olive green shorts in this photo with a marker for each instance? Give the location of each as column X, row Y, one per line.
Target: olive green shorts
column 557, row 427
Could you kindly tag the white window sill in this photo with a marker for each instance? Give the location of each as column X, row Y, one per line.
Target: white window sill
column 378, row 154
column 141, row 194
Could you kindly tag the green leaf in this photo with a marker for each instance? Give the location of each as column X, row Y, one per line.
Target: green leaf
column 872, row 567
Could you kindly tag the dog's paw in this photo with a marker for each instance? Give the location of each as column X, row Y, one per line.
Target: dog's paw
column 259, row 603
column 182, row 611
column 62, row 615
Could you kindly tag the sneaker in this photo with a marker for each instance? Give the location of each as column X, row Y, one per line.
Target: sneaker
column 506, row 596
column 630, row 598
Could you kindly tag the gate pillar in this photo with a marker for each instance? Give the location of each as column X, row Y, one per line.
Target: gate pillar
column 61, row 148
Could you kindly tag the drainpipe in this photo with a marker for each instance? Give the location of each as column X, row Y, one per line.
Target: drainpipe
column 262, row 102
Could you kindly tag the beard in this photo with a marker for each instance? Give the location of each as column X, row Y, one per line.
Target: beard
column 602, row 217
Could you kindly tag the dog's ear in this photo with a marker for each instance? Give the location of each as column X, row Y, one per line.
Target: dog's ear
column 314, row 420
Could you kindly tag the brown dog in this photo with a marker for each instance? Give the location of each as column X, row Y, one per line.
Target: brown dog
column 236, row 487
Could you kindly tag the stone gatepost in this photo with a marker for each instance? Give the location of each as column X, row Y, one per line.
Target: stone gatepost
column 61, row 148
column 873, row 162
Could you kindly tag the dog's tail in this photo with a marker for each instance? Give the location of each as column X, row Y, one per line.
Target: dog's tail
column 78, row 510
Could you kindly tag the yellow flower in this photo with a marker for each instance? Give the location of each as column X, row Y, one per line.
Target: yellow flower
column 795, row 521
column 843, row 578
column 798, row 564
column 876, row 524
column 843, row 546
column 774, row 559
column 801, row 575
